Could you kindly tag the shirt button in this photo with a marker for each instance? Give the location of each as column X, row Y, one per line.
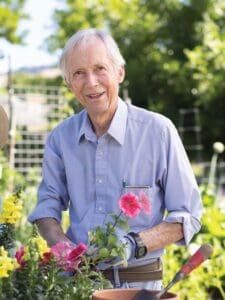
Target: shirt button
column 100, row 153
column 99, row 180
column 100, row 208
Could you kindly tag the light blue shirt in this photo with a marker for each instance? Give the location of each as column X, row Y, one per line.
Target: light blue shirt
column 85, row 173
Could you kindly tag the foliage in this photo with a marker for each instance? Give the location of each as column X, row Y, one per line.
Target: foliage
column 40, row 271
column 208, row 281
column 10, row 214
column 174, row 52
column 43, row 273
column 22, row 78
column 12, row 182
column 38, row 275
column 9, row 179
column 10, row 14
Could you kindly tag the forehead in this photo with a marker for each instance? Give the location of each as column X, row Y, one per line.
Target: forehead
column 88, row 52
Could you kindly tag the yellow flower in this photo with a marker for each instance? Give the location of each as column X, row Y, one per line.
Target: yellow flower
column 36, row 243
column 42, row 245
column 11, row 210
column 6, row 263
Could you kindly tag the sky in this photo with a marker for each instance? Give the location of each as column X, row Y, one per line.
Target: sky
column 39, row 26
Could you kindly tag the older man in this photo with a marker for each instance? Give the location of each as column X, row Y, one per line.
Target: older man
column 91, row 156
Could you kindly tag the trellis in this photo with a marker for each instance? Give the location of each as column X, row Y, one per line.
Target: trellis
column 33, row 111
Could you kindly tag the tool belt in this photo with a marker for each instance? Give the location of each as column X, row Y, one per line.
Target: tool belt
column 149, row 272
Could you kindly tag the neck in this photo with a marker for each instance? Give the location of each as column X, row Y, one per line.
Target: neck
column 101, row 122
column 100, row 126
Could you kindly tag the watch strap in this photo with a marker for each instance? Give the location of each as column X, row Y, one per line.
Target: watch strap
column 140, row 248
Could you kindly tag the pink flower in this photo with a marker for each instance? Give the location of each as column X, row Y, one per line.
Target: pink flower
column 145, row 202
column 130, row 205
column 77, row 251
column 68, row 256
column 61, row 250
column 19, row 257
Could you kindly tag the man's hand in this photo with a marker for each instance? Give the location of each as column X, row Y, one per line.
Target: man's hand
column 51, row 231
column 129, row 250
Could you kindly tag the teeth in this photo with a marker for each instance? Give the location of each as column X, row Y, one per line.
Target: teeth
column 95, row 95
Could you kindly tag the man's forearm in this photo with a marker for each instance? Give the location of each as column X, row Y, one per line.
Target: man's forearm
column 51, row 231
column 161, row 235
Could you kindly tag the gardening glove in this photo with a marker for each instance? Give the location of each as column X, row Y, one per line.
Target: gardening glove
column 129, row 251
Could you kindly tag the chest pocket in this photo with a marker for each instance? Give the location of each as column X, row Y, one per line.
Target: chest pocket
column 144, row 219
column 144, row 195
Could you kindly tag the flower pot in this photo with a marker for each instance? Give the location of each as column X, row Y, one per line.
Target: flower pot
column 125, row 294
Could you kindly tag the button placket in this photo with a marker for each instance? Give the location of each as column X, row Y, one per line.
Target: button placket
column 100, row 179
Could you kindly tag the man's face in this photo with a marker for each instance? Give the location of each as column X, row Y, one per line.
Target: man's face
column 93, row 78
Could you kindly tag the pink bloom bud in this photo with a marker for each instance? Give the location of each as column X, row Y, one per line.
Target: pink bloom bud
column 19, row 257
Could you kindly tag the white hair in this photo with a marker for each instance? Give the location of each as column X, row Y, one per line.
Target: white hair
column 84, row 35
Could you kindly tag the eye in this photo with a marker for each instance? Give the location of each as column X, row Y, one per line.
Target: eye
column 100, row 68
column 78, row 73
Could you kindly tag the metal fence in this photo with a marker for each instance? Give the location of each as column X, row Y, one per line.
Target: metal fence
column 33, row 111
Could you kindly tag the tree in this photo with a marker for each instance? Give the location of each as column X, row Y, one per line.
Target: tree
column 206, row 63
column 174, row 51
column 10, row 15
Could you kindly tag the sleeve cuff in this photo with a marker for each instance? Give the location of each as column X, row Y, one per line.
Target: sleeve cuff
column 191, row 225
column 41, row 211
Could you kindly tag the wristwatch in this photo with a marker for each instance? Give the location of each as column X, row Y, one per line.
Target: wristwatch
column 140, row 248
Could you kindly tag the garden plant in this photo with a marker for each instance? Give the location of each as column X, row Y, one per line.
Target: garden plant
column 64, row 271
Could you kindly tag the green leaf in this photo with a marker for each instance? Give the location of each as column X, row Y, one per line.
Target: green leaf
column 114, row 253
column 112, row 240
column 123, row 224
column 103, row 253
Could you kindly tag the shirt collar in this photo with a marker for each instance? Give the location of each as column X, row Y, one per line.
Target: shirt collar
column 116, row 129
column 86, row 129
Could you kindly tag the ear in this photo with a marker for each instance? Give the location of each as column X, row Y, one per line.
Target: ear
column 67, row 82
column 121, row 74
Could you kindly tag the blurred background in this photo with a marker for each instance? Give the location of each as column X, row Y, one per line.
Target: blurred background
column 175, row 65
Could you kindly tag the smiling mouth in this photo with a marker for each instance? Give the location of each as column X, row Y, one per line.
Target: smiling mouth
column 95, row 96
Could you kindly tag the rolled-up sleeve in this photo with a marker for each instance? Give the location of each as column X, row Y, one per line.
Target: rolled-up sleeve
column 52, row 192
column 182, row 196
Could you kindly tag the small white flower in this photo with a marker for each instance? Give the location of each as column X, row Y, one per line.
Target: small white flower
column 218, row 147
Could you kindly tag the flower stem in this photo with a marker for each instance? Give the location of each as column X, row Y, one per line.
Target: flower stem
column 116, row 219
column 220, row 288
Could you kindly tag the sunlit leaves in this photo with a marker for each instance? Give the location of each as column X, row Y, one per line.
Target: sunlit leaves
column 207, row 281
column 10, row 15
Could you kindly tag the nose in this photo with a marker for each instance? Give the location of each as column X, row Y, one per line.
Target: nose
column 92, row 79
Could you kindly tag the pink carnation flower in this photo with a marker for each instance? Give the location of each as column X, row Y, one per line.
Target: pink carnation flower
column 145, row 203
column 130, row 205
column 68, row 256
